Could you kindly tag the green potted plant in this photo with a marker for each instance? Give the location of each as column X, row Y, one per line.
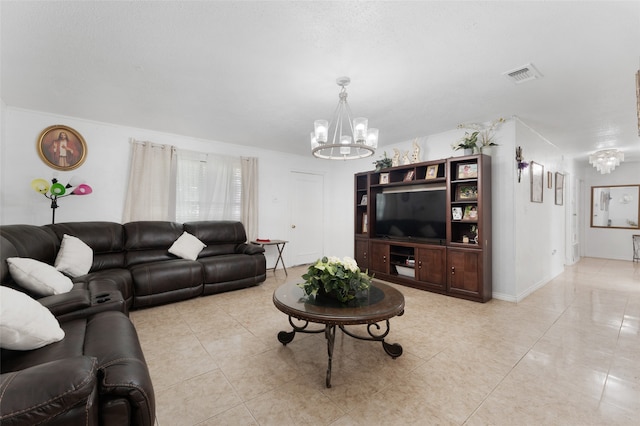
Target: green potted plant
column 383, row 163
column 336, row 278
column 485, row 134
column 469, row 143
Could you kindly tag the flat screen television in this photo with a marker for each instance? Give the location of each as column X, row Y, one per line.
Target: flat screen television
column 412, row 215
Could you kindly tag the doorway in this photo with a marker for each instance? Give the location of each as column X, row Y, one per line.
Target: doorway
column 307, row 218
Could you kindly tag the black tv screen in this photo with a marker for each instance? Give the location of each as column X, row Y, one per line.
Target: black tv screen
column 420, row 214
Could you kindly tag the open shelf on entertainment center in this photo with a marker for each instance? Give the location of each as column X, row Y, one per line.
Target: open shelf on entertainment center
column 456, row 259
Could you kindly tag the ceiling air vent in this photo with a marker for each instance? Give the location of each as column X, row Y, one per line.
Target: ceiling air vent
column 523, row 74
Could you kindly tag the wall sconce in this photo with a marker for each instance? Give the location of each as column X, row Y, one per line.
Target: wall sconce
column 520, row 162
column 57, row 190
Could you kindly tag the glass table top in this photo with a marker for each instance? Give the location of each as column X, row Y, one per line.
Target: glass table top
column 380, row 302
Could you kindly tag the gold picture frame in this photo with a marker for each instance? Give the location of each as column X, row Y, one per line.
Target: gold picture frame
column 432, row 171
column 61, row 147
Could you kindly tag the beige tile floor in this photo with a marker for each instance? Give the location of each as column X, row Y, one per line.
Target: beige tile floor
column 569, row 354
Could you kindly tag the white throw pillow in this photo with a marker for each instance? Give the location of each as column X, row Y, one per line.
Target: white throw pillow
column 187, row 246
column 24, row 323
column 75, row 257
column 38, row 277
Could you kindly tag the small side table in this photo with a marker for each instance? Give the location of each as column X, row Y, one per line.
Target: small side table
column 280, row 246
column 636, row 248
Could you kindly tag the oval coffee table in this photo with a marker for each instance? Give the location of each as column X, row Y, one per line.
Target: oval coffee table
column 380, row 303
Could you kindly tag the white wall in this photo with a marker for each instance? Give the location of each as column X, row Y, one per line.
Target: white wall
column 528, row 238
column 503, row 211
column 539, row 227
column 106, row 170
column 603, row 242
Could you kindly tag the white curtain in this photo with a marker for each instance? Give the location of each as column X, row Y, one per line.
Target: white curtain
column 209, row 187
column 250, row 196
column 151, row 190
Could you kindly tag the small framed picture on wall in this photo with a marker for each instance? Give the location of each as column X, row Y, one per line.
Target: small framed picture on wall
column 537, row 181
column 559, row 189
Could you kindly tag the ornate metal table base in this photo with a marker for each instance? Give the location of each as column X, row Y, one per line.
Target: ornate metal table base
column 394, row 350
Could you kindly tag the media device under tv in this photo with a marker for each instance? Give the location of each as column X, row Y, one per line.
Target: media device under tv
column 412, row 215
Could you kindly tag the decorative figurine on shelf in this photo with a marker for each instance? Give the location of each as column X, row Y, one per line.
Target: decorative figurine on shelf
column 76, row 186
column 415, row 156
column 395, row 161
column 405, row 159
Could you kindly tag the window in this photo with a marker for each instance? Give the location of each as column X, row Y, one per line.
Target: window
column 208, row 187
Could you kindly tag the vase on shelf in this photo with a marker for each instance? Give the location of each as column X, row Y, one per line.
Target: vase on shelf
column 468, row 151
column 486, row 150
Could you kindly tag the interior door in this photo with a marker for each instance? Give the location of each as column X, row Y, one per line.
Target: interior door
column 307, row 218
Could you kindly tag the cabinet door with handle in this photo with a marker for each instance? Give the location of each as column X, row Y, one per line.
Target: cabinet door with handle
column 465, row 272
column 362, row 254
column 430, row 263
column 379, row 259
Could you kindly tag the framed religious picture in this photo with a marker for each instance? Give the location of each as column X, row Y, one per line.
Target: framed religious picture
column 62, row 148
column 537, row 184
column 468, row 171
column 559, row 189
column 384, row 177
column 432, row 171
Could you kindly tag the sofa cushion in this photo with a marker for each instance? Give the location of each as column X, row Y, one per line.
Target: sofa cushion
column 168, row 281
column 149, row 241
column 38, row 277
column 187, row 246
column 75, row 257
column 65, row 393
column 112, row 339
column 220, row 236
column 232, row 267
column 24, row 323
column 106, row 239
column 32, row 241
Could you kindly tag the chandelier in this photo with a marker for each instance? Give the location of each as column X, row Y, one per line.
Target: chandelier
column 605, row 161
column 352, row 138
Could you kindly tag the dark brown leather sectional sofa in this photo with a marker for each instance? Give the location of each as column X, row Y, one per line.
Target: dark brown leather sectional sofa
column 97, row 374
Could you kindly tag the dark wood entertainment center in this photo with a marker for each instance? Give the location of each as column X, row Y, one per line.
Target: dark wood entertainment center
column 458, row 265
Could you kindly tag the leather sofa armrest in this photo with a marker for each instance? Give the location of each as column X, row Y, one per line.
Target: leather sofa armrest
column 63, row 389
column 60, row 304
column 249, row 249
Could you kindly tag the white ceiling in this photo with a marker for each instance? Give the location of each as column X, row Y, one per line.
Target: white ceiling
column 259, row 73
